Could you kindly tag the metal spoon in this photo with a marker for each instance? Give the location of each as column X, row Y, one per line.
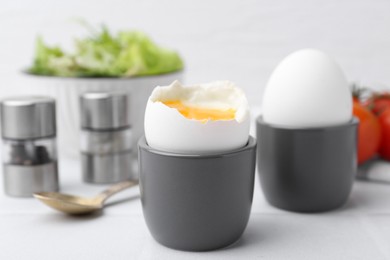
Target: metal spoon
column 78, row 205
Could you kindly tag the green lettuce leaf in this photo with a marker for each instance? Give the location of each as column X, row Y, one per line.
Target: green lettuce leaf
column 126, row 54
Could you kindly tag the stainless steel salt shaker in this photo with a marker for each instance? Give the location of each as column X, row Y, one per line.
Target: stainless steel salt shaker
column 106, row 141
column 28, row 127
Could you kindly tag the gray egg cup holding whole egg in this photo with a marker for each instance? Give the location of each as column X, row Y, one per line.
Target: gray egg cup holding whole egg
column 307, row 169
column 197, row 202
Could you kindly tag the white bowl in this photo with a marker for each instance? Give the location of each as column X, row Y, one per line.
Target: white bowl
column 67, row 91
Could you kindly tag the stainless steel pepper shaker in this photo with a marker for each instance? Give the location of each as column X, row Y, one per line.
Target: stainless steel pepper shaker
column 106, row 141
column 28, row 127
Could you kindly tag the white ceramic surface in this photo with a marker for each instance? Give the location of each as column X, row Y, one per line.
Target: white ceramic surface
column 67, row 91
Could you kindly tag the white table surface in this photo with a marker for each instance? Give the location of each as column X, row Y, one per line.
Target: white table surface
column 359, row 230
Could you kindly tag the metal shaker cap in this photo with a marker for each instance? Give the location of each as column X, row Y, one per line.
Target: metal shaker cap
column 28, row 117
column 104, row 111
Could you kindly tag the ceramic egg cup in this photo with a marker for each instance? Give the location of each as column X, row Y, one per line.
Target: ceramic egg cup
column 197, row 202
column 308, row 169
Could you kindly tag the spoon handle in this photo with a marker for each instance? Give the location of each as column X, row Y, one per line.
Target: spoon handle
column 116, row 188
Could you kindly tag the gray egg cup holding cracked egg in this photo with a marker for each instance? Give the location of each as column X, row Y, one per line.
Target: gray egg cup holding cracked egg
column 307, row 140
column 197, row 202
column 196, row 186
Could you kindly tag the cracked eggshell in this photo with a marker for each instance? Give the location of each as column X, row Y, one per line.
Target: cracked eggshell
column 167, row 129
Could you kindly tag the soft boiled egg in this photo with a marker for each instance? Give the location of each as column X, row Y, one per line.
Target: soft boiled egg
column 198, row 119
column 307, row 89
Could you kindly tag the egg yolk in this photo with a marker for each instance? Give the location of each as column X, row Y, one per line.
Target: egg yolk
column 201, row 114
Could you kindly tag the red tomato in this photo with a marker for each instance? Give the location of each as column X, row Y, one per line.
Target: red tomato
column 384, row 119
column 369, row 132
column 378, row 102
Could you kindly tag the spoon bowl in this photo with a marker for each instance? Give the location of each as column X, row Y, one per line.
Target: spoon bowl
column 76, row 205
column 68, row 203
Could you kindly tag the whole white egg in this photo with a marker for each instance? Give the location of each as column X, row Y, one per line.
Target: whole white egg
column 168, row 129
column 307, row 89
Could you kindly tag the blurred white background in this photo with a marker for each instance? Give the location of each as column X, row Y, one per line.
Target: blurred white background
column 221, row 39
